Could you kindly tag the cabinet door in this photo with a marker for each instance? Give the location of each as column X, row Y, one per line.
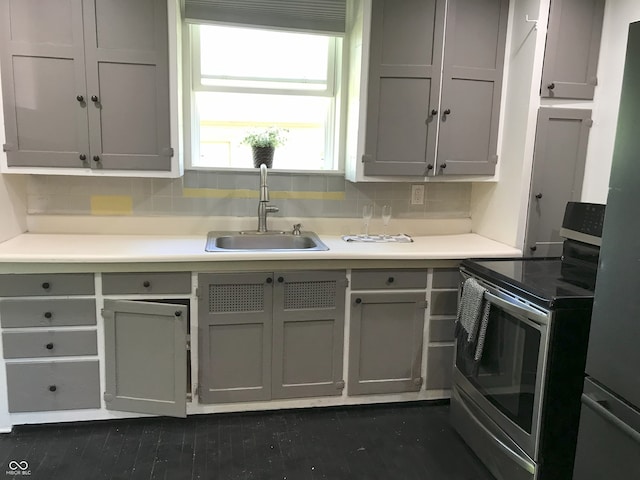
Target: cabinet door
column 572, row 49
column 234, row 322
column 42, row 59
column 385, row 342
column 560, row 154
column 471, row 86
column 145, row 357
column 128, row 84
column 308, row 333
column 404, row 82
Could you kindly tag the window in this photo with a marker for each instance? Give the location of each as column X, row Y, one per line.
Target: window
column 244, row 79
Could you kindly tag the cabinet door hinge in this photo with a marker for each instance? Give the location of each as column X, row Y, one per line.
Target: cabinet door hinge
column 197, row 390
column 340, row 384
column 367, row 158
column 424, row 304
column 188, row 340
column 107, row 397
column 189, row 397
column 588, row 122
column 493, row 159
column 106, row 313
column 198, row 292
column 344, row 283
column 167, row 152
column 418, row 382
column 7, row 147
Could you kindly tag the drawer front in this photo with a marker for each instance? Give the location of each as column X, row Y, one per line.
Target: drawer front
column 444, row 302
column 34, row 387
column 163, row 282
column 47, row 312
column 23, row 285
column 441, row 329
column 439, row 367
column 446, row 278
column 48, row 344
column 388, row 279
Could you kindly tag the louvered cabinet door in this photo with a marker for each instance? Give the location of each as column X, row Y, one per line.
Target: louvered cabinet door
column 235, row 318
column 308, row 333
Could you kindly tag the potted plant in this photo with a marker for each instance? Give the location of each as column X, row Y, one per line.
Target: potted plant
column 263, row 144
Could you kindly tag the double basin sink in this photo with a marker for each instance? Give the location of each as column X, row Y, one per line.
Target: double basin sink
column 269, row 241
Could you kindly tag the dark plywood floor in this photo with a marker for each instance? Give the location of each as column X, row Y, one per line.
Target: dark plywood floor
column 402, row 441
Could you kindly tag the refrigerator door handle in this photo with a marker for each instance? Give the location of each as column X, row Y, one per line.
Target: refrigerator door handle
column 589, row 400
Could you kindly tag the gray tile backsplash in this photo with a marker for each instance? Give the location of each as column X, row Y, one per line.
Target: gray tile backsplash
column 235, row 194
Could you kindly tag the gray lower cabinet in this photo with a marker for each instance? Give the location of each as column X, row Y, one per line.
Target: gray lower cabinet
column 435, row 76
column 145, row 357
column 235, row 312
column 385, row 342
column 308, row 334
column 270, row 335
column 443, row 307
column 85, row 84
column 45, row 386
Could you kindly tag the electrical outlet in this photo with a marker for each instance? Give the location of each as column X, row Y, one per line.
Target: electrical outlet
column 417, row 194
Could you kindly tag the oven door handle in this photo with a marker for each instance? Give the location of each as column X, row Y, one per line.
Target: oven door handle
column 521, row 462
column 517, row 308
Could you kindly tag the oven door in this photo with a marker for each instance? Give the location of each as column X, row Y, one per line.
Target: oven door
column 507, row 384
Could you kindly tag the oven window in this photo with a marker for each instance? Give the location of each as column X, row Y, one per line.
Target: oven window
column 508, row 368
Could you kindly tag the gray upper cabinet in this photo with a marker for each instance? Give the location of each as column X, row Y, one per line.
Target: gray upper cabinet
column 472, row 86
column 86, row 84
column 308, row 333
column 404, row 84
column 572, row 49
column 412, row 107
column 562, row 137
column 43, row 74
column 145, row 357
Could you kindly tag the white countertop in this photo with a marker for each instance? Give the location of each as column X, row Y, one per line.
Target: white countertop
column 91, row 248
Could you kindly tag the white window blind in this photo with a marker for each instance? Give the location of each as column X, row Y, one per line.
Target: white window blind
column 326, row 16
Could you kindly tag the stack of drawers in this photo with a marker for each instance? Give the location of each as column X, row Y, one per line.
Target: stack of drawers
column 46, row 321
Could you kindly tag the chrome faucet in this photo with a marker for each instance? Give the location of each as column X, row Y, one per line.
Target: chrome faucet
column 263, row 205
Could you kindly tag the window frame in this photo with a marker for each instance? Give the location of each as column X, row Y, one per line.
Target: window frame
column 335, row 89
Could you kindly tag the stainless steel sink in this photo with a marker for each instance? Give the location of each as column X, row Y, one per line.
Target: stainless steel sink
column 270, row 241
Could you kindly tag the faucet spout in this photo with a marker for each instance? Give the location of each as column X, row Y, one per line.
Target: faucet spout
column 264, row 188
column 263, row 204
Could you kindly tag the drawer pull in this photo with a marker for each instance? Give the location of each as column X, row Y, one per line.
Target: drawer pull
column 49, row 346
column 48, row 315
column 269, row 280
column 52, row 388
column 358, row 300
column 146, row 284
column 390, row 280
column 178, row 313
column 46, row 285
column 280, row 279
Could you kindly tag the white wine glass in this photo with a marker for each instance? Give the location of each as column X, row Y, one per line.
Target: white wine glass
column 386, row 218
column 367, row 214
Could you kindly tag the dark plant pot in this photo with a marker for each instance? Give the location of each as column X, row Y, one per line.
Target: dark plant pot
column 263, row 155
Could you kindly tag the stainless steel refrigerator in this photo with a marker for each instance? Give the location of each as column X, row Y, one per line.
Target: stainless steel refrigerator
column 609, row 434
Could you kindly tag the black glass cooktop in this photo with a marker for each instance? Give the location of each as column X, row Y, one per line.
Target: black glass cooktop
column 537, row 279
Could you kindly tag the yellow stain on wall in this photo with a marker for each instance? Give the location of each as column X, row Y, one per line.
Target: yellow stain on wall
column 111, row 205
column 229, row 193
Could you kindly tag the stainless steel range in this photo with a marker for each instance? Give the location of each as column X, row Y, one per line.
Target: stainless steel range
column 518, row 406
